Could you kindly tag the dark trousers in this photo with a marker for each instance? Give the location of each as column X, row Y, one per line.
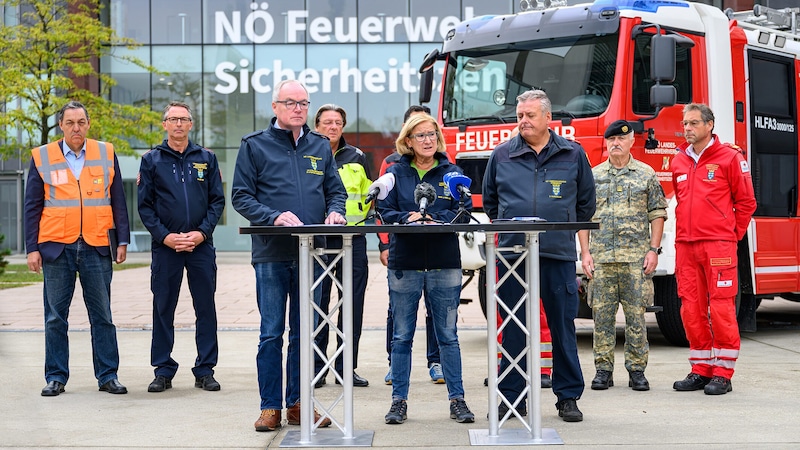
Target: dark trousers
column 360, row 275
column 165, row 281
column 559, row 293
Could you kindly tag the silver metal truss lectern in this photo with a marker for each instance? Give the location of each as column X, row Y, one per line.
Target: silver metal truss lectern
column 309, row 434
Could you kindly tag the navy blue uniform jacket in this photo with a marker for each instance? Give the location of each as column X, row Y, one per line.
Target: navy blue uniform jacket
column 556, row 185
column 180, row 192
column 272, row 175
column 424, row 250
column 34, row 205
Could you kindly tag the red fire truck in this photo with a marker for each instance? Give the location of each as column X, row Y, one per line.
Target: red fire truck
column 642, row 61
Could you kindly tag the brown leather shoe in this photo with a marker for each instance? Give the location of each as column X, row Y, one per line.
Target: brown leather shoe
column 270, row 420
column 293, row 416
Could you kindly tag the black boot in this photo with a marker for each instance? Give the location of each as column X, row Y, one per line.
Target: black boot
column 602, row 380
column 637, row 381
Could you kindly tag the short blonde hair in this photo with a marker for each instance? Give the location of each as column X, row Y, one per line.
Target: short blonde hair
column 417, row 119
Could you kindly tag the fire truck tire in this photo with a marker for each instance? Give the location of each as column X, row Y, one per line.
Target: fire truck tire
column 482, row 289
column 669, row 319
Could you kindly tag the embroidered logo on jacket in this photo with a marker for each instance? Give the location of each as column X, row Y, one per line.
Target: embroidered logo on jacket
column 313, row 170
column 556, row 184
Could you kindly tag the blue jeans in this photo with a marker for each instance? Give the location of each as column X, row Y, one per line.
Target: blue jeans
column 59, row 287
column 274, row 281
column 432, row 348
column 443, row 289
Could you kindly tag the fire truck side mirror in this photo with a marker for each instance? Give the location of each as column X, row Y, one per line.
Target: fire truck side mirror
column 425, row 87
column 663, row 95
column 426, row 76
column 662, row 58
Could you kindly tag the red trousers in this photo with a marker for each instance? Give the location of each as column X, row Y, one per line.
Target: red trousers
column 707, row 286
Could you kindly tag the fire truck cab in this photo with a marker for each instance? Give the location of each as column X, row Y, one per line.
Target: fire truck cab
column 642, row 61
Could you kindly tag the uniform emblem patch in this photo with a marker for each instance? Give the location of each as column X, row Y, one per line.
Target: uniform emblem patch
column 556, row 185
column 201, row 169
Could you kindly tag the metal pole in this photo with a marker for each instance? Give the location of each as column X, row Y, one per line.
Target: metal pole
column 306, row 270
column 534, row 346
column 491, row 322
column 348, row 341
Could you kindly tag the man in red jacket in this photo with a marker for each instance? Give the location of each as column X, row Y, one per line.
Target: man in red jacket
column 714, row 191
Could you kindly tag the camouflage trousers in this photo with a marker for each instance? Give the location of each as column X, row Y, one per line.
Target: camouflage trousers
column 614, row 284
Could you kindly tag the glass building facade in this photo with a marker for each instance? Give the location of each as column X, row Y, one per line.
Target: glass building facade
column 223, row 57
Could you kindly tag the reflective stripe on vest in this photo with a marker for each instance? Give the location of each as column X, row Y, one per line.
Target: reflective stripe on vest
column 76, row 207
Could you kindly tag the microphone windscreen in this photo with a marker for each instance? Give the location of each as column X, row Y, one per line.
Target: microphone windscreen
column 453, row 180
column 426, row 191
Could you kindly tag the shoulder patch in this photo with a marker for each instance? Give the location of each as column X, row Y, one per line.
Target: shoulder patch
column 744, row 166
column 320, row 134
column 255, row 133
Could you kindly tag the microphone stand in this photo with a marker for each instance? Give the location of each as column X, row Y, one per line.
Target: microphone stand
column 462, row 212
column 371, row 215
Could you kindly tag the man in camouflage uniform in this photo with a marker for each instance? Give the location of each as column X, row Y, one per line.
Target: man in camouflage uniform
column 623, row 254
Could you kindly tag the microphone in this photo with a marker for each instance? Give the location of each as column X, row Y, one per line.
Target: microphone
column 458, row 184
column 424, row 196
column 380, row 188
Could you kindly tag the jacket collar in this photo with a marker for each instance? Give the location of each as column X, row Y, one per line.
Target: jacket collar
column 520, row 147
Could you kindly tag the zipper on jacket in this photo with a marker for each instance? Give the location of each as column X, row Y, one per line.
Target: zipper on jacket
column 185, row 193
column 80, row 207
column 293, row 159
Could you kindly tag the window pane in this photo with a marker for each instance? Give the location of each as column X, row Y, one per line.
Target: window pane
column 177, row 22
column 275, row 63
column 227, row 104
column 130, row 19
column 182, row 83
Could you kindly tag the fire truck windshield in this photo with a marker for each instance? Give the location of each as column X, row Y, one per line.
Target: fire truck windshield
column 482, row 84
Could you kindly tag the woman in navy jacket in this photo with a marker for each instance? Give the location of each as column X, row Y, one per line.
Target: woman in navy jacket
column 429, row 261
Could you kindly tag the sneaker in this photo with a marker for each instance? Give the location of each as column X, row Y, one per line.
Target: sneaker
column 568, row 410
column 207, row 383
column 637, row 381
column 718, row 386
column 603, row 380
column 460, row 411
column 437, row 376
column 388, row 378
column 160, row 384
column 692, row 382
column 397, row 413
column 547, row 382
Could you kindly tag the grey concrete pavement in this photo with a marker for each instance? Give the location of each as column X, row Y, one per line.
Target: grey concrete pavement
column 761, row 412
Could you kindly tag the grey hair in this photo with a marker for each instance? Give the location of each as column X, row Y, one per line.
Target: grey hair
column 705, row 112
column 276, row 92
column 536, row 94
column 72, row 104
column 178, row 104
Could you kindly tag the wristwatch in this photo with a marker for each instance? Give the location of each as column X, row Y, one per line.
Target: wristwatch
column 657, row 250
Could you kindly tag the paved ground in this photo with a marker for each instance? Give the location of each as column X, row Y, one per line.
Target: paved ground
column 761, row 412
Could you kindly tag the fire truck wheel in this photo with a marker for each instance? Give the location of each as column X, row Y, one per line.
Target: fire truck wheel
column 669, row 319
column 482, row 289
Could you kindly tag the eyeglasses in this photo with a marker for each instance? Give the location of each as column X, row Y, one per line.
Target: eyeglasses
column 420, row 137
column 178, row 119
column 291, row 104
column 328, row 123
column 691, row 123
